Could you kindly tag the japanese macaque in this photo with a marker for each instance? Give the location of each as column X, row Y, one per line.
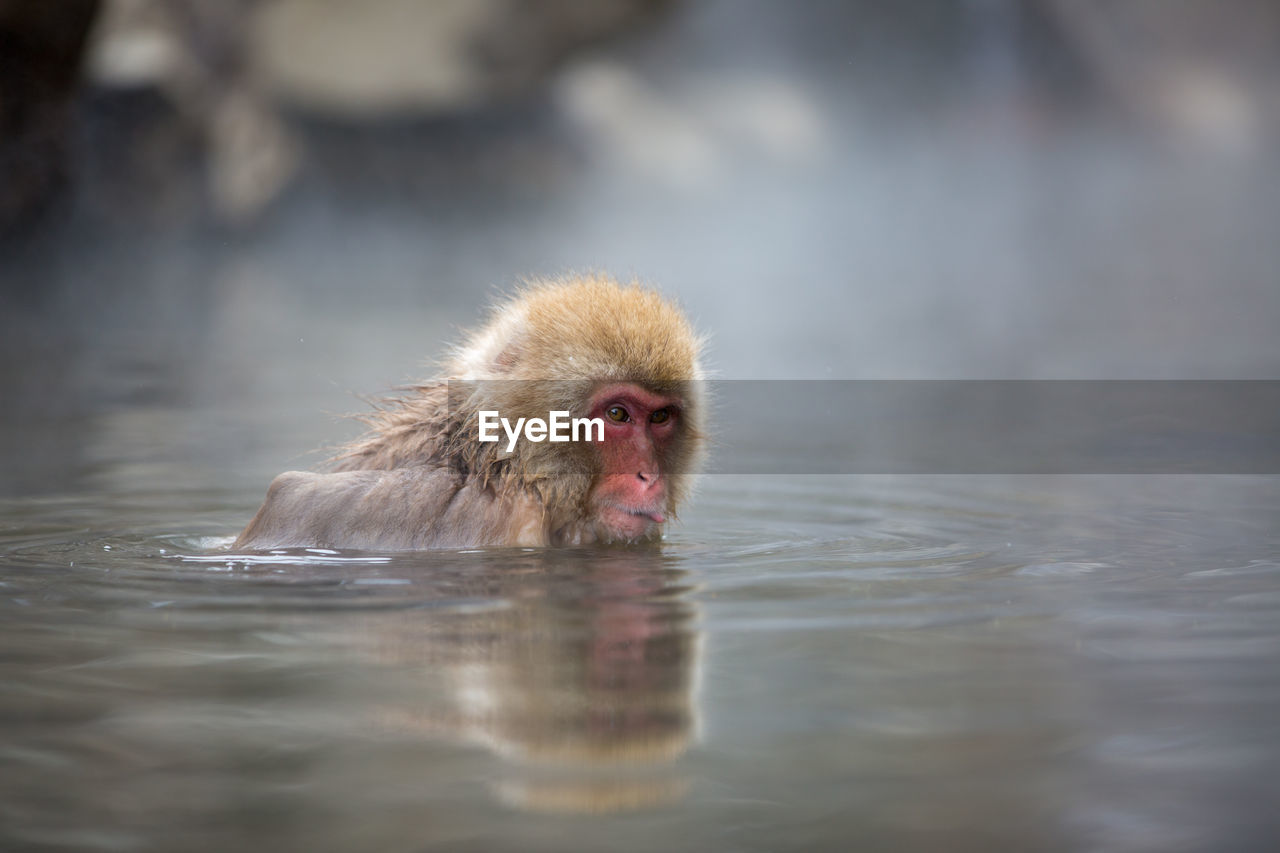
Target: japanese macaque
column 423, row 478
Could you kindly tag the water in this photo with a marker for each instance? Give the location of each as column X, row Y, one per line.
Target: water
column 808, row 662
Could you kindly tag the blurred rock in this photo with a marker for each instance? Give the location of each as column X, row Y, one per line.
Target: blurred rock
column 197, row 54
column 1204, row 70
column 227, row 68
column 41, row 46
column 397, row 56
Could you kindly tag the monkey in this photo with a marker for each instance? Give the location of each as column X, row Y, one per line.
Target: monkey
column 420, row 477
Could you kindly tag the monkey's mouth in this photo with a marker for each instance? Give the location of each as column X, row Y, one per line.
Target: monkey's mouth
column 630, row 521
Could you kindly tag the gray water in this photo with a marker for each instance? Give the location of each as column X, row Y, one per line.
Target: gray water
column 809, row 662
column 1059, row 663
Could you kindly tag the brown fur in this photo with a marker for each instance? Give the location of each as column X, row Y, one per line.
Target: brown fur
column 420, row 478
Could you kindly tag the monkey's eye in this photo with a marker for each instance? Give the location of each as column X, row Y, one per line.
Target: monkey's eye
column 660, row 416
column 617, row 414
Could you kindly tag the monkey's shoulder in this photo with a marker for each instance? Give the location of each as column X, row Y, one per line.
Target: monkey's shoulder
column 398, row 509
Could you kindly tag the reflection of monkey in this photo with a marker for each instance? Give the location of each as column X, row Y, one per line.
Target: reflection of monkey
column 422, row 478
column 584, row 683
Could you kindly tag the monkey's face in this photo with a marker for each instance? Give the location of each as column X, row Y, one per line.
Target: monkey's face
column 630, row 497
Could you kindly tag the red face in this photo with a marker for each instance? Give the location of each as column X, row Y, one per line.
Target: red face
column 630, row 499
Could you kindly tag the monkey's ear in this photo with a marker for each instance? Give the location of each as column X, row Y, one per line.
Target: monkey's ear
column 507, row 357
column 494, row 352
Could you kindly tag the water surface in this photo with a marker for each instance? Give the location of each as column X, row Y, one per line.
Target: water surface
column 807, row 663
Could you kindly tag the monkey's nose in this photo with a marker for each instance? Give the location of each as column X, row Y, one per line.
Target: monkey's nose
column 647, row 477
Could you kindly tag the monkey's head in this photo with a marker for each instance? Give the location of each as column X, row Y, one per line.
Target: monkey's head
column 599, row 350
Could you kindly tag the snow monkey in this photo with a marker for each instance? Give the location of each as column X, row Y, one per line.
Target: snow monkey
column 602, row 383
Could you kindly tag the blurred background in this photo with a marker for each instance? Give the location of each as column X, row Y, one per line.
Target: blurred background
column 222, row 221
